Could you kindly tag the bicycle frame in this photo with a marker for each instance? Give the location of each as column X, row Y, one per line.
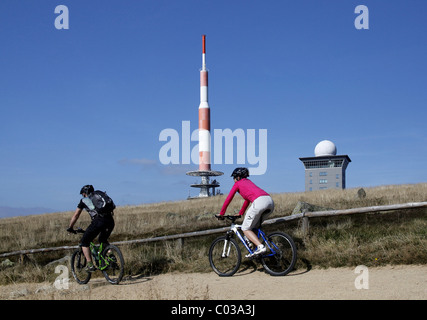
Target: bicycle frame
column 234, row 228
column 225, row 254
column 99, row 257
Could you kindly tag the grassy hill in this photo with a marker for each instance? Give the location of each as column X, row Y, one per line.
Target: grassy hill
column 398, row 237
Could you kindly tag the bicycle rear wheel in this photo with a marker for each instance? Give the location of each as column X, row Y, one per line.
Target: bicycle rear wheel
column 225, row 256
column 113, row 267
column 78, row 267
column 281, row 257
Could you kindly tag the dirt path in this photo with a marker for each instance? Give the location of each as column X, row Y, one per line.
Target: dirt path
column 391, row 282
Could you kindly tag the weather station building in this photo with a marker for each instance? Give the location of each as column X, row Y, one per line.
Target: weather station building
column 325, row 170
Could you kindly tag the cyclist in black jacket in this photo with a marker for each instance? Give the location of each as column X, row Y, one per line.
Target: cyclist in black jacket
column 102, row 220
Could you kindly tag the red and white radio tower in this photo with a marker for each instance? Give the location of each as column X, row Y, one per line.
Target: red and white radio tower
column 204, row 136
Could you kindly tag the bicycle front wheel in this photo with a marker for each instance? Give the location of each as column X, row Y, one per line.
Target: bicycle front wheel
column 78, row 267
column 225, row 256
column 281, row 255
column 112, row 264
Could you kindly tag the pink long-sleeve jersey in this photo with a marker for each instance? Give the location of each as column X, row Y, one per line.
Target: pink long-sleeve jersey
column 248, row 190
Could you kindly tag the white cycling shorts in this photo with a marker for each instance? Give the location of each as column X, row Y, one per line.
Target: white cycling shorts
column 259, row 210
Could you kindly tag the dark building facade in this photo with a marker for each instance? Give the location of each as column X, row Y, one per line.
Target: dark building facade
column 325, row 172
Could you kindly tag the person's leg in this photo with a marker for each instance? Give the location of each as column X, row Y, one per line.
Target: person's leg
column 86, row 252
column 251, row 220
column 260, row 209
column 107, row 228
column 91, row 232
column 252, row 237
column 268, row 205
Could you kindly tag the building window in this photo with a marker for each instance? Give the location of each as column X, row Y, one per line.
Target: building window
column 323, row 181
column 323, row 173
column 338, row 176
column 311, row 181
column 337, row 184
column 335, row 163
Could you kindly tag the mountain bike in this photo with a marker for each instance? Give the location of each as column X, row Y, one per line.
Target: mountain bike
column 225, row 255
column 108, row 259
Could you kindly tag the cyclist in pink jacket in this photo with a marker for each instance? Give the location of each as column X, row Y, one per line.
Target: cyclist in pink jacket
column 262, row 205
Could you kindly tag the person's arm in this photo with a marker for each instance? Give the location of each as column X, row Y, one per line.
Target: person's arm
column 228, row 199
column 244, row 207
column 75, row 217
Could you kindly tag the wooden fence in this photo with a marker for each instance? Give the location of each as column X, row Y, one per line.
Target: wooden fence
column 303, row 215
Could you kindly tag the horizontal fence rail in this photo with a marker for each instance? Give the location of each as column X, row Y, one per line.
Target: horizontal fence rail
column 304, row 216
column 367, row 209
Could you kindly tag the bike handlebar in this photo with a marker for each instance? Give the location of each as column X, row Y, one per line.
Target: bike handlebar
column 75, row 231
column 232, row 218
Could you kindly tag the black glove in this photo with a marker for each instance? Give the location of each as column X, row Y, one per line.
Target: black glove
column 71, row 230
column 219, row 217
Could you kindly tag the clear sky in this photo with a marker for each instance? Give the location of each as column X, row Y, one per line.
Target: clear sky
column 86, row 105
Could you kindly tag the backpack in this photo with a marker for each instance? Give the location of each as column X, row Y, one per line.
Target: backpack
column 102, row 202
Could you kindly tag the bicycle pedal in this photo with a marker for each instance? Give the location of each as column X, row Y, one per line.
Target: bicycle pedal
column 255, row 258
column 252, row 256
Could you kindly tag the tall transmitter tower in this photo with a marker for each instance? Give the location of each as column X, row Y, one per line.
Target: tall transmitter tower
column 204, row 171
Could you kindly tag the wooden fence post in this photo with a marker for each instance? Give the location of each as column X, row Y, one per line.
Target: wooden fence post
column 179, row 244
column 305, row 226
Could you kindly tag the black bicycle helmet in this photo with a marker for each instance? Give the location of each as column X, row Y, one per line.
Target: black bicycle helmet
column 240, row 173
column 88, row 189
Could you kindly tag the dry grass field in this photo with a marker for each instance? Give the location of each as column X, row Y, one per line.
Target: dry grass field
column 398, row 237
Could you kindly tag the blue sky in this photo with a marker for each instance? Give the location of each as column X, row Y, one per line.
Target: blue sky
column 86, row 105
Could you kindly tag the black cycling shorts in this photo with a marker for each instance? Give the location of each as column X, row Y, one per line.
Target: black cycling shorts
column 99, row 225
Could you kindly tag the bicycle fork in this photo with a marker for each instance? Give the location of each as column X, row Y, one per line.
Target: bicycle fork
column 227, row 245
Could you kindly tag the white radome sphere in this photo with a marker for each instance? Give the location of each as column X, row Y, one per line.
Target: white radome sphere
column 325, row 148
